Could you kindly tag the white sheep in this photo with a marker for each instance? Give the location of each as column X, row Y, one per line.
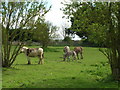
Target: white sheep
column 33, row 52
column 68, row 53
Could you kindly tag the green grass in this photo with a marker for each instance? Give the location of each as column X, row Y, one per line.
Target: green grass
column 0, row 78
column 91, row 72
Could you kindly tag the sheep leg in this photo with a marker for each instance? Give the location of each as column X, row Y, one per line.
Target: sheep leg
column 28, row 60
column 41, row 60
column 64, row 57
column 81, row 55
column 74, row 57
column 68, row 58
column 78, row 56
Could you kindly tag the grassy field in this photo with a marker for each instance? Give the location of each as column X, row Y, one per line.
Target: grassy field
column 0, row 78
column 91, row 72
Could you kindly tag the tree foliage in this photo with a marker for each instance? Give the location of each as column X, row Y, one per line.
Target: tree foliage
column 100, row 22
column 44, row 32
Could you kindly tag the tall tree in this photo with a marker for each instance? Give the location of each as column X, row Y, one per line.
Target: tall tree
column 44, row 32
column 99, row 21
column 17, row 16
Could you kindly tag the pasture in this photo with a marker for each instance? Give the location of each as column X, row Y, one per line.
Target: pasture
column 91, row 72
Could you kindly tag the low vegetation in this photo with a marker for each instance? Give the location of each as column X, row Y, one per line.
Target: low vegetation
column 91, row 72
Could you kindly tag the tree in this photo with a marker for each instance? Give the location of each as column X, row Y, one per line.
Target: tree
column 64, row 32
column 68, row 40
column 84, row 17
column 17, row 16
column 112, row 39
column 0, row 44
column 44, row 32
column 100, row 22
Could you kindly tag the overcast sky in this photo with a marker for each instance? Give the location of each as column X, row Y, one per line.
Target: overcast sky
column 55, row 14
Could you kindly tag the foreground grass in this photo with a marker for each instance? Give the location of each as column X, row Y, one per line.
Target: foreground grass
column 0, row 78
column 91, row 72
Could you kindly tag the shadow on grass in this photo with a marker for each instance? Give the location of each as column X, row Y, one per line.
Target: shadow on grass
column 15, row 68
column 28, row 64
column 108, row 79
column 10, row 68
column 66, row 82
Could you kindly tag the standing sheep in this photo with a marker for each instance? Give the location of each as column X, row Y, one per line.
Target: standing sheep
column 79, row 50
column 33, row 52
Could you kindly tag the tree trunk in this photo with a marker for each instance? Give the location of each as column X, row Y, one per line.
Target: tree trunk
column 113, row 44
column 115, row 72
column 44, row 45
column 118, row 40
column 119, row 63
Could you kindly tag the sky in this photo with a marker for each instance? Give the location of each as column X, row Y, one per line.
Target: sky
column 55, row 16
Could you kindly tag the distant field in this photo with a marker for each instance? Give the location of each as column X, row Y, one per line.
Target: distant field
column 91, row 72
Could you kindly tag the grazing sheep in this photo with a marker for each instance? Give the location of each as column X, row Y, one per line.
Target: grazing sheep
column 68, row 53
column 66, row 49
column 33, row 52
column 79, row 50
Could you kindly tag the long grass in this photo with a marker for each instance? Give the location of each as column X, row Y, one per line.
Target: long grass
column 91, row 72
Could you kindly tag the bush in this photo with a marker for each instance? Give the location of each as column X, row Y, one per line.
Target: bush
column 68, row 40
